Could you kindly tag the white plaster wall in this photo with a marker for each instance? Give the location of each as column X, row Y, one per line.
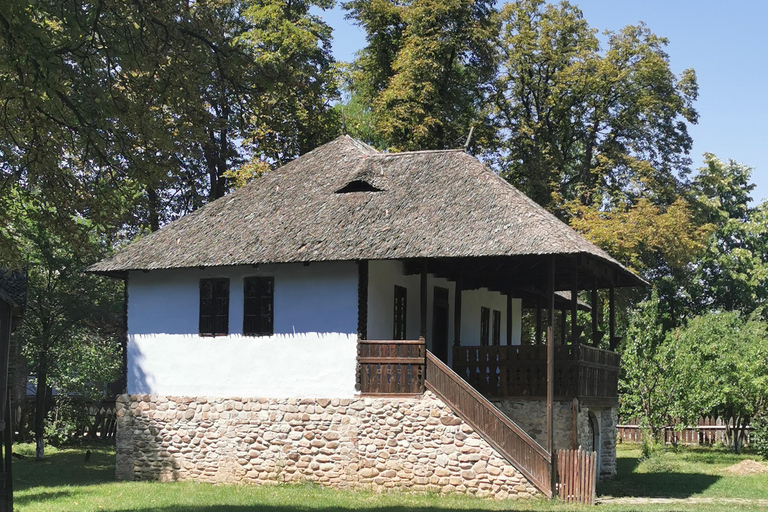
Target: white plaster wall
column 384, row 275
column 311, row 354
column 382, row 278
column 473, row 300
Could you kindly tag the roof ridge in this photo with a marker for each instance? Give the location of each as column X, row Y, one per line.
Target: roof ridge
column 420, row 152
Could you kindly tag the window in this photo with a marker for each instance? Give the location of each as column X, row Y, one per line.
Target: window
column 401, row 295
column 485, row 321
column 214, row 307
column 496, row 327
column 258, row 315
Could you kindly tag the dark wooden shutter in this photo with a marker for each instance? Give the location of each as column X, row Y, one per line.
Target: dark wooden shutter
column 214, row 307
column 485, row 325
column 401, row 306
column 258, row 302
column 496, row 327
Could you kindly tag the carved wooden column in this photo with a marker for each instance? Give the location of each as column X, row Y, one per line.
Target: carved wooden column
column 423, row 302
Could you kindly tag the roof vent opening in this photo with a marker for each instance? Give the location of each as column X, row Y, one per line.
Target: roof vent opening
column 358, row 186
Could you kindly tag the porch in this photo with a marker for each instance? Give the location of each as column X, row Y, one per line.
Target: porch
column 590, row 374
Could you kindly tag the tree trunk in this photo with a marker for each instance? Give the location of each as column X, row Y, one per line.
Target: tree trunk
column 40, row 402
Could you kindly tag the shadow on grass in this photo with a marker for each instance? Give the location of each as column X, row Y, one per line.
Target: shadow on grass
column 300, row 508
column 66, row 467
column 658, row 484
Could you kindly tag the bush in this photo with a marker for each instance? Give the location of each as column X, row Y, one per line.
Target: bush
column 65, row 422
column 760, row 436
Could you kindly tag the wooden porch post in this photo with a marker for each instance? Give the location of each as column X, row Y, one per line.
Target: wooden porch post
column 457, row 315
column 423, row 302
column 612, row 317
column 575, row 307
column 550, row 353
column 538, row 320
column 362, row 299
column 509, row 318
column 593, row 305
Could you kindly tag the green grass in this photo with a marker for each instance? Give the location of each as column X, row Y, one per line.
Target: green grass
column 689, row 472
column 64, row 482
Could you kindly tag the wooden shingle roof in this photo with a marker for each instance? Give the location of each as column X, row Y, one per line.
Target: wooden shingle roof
column 347, row 201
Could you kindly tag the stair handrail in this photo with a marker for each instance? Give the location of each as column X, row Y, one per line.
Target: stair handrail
column 535, row 464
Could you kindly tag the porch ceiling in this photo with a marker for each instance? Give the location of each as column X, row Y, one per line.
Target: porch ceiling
column 527, row 275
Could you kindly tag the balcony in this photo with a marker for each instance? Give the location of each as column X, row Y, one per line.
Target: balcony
column 520, row 371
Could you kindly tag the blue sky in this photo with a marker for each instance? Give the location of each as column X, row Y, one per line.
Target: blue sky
column 725, row 42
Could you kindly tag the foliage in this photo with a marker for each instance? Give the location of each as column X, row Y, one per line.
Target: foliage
column 644, row 235
column 424, row 71
column 64, row 421
column 70, row 331
column 129, row 114
column 722, row 364
column 732, row 274
column 579, row 123
column 649, row 385
column 759, row 439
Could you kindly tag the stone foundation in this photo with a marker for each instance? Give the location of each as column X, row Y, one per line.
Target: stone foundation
column 379, row 443
column 531, row 416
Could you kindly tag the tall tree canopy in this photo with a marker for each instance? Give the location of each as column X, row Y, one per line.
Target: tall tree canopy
column 109, row 103
column 425, row 71
column 579, row 123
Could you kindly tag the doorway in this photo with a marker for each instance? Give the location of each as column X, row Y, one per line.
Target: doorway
column 440, row 324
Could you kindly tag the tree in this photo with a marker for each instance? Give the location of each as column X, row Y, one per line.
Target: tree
column 732, row 274
column 577, row 123
column 71, row 329
column 722, row 364
column 649, row 386
column 108, row 104
column 424, row 71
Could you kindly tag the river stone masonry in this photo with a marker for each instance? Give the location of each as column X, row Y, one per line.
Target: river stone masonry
column 380, row 443
column 531, row 416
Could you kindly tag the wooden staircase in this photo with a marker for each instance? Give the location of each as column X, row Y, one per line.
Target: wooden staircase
column 512, row 442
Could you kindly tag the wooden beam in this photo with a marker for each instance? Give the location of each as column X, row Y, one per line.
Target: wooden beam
column 538, row 321
column 612, row 318
column 575, row 307
column 593, row 305
column 362, row 299
column 509, row 318
column 550, row 354
column 423, row 302
column 457, row 315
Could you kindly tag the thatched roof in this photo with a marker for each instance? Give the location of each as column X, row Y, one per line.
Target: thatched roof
column 13, row 288
column 347, row 201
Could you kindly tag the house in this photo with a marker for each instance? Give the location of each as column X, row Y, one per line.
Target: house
column 307, row 327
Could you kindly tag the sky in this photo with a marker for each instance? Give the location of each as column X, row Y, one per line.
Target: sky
column 726, row 43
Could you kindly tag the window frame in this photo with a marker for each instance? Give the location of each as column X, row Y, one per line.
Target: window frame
column 496, row 328
column 485, row 325
column 207, row 315
column 257, row 320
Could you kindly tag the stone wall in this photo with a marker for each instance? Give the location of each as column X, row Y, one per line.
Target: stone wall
column 531, row 416
column 379, row 443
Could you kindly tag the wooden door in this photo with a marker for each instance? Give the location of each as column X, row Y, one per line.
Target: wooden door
column 440, row 324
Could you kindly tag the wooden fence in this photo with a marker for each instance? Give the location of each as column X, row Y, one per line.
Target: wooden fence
column 521, row 370
column 387, row 367
column 493, row 425
column 576, row 476
column 708, row 431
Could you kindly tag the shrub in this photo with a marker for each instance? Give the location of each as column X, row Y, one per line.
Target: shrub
column 760, row 436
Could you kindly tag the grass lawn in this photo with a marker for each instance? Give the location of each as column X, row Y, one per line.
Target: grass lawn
column 690, row 472
column 64, row 482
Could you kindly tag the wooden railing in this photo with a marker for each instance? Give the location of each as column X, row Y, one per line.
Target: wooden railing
column 521, row 371
column 493, row 425
column 390, row 367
